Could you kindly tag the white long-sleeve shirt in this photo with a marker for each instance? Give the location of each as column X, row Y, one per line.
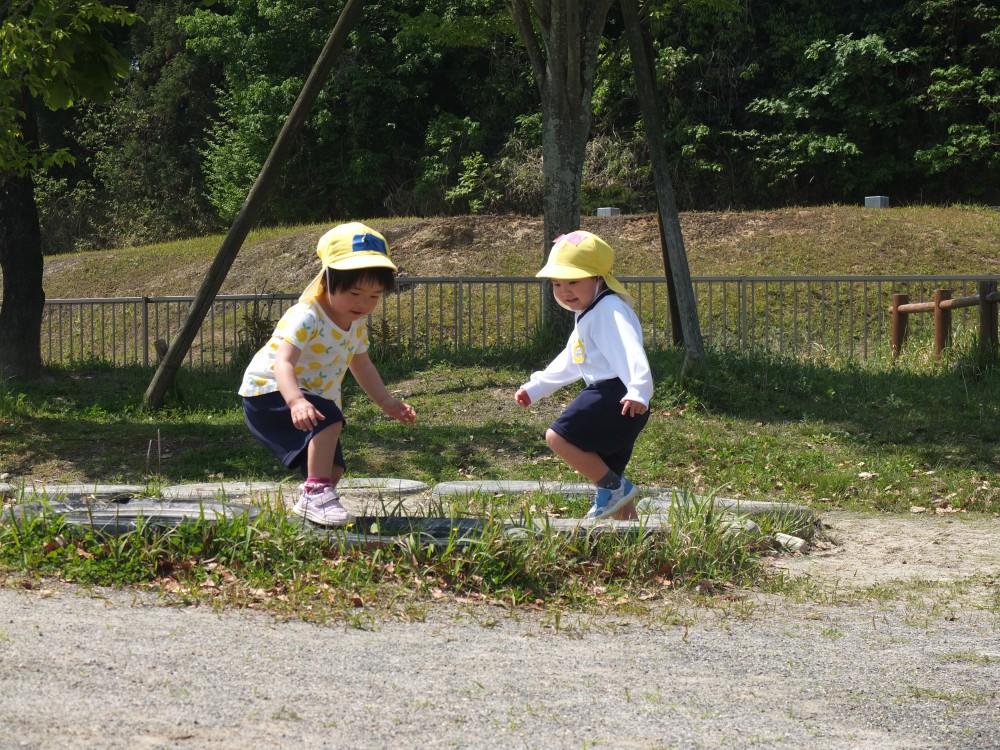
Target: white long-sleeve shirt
column 606, row 342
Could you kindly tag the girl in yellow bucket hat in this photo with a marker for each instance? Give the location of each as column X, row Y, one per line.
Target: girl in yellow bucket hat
column 291, row 389
column 596, row 433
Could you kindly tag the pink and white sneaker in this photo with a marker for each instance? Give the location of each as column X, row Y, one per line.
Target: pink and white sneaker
column 321, row 507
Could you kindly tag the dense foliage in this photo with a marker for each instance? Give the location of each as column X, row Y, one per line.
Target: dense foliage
column 431, row 109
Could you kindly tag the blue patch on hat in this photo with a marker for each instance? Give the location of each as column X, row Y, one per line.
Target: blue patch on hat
column 369, row 243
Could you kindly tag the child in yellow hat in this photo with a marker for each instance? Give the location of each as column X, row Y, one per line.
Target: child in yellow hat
column 291, row 389
column 596, row 433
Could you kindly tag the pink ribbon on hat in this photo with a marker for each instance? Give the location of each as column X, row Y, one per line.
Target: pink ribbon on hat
column 574, row 238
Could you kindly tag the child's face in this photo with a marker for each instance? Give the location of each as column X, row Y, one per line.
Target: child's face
column 358, row 301
column 575, row 294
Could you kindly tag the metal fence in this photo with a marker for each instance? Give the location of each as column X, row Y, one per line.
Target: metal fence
column 799, row 316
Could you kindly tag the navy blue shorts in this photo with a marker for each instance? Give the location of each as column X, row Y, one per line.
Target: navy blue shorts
column 593, row 422
column 270, row 421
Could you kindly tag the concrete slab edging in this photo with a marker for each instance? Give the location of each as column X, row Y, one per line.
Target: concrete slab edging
column 230, row 490
column 120, row 505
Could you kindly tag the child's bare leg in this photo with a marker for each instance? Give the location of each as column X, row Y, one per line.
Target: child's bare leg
column 590, row 465
column 319, row 455
column 336, row 473
column 587, row 463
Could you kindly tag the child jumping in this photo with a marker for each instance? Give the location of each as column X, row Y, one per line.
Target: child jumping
column 597, row 431
column 291, row 389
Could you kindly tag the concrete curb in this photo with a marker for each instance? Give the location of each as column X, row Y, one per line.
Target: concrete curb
column 115, row 507
column 205, row 490
column 525, row 486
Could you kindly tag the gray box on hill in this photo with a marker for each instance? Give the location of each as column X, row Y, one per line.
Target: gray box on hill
column 876, row 201
column 608, row 211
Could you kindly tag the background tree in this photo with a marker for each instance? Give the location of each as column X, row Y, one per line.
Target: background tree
column 842, row 129
column 433, row 109
column 137, row 177
column 562, row 38
column 55, row 52
column 421, row 90
column 959, row 42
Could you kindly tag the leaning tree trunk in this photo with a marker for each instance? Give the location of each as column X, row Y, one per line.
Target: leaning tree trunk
column 21, row 265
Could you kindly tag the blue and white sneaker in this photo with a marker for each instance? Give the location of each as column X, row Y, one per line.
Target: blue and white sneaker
column 608, row 501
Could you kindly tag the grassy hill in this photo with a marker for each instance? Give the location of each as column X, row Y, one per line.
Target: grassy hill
column 819, row 240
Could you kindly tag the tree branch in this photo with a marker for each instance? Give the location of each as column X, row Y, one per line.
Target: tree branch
column 591, row 40
column 522, row 20
column 542, row 11
column 595, row 23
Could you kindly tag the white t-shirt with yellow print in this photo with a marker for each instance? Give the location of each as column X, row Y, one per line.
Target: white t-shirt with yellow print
column 327, row 350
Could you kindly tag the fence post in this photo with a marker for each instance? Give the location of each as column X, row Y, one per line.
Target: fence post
column 942, row 322
column 459, row 316
column 743, row 312
column 987, row 317
column 899, row 321
column 145, row 331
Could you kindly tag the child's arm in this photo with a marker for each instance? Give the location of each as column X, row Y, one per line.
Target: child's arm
column 305, row 416
column 544, row 383
column 364, row 372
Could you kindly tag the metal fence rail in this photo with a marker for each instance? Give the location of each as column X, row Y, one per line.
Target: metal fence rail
column 799, row 316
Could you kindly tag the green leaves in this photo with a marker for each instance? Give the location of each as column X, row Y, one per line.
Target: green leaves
column 373, row 142
column 971, row 99
column 57, row 52
column 825, row 126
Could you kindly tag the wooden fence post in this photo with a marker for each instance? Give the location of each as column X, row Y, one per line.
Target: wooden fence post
column 899, row 320
column 987, row 317
column 942, row 322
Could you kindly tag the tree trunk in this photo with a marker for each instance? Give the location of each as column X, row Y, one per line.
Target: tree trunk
column 562, row 38
column 21, row 264
column 565, row 127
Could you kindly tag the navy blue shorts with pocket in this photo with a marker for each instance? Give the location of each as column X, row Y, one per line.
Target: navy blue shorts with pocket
column 594, row 422
column 270, row 421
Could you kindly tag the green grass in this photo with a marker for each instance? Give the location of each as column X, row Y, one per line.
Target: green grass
column 827, row 433
column 875, row 436
column 879, row 436
column 270, row 562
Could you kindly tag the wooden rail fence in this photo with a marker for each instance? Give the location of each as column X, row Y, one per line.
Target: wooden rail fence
column 986, row 298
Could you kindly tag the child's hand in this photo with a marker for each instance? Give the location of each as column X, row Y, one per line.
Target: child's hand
column 522, row 397
column 633, row 408
column 305, row 416
column 399, row 411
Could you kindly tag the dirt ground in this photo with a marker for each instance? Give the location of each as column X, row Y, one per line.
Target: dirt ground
column 844, row 668
column 859, row 551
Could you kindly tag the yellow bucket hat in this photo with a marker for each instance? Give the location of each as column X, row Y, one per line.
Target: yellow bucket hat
column 348, row 247
column 580, row 255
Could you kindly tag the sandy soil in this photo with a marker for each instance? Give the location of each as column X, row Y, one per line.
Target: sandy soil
column 88, row 668
column 860, row 550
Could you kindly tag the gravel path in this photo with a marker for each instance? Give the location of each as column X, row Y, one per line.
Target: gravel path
column 84, row 668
